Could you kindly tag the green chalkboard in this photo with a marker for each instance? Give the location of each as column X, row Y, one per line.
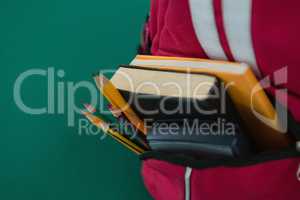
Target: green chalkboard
column 62, row 42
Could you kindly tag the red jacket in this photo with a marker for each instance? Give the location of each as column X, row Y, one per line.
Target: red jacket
column 264, row 34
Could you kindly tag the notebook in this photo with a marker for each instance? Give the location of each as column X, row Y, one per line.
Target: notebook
column 197, row 102
column 199, row 137
column 239, row 80
column 155, row 94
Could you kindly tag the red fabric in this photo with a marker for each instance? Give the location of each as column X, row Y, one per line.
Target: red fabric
column 171, row 30
column 273, row 180
column 163, row 180
column 276, row 38
column 275, row 34
column 220, row 27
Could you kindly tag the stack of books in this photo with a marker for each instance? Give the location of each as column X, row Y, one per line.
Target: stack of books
column 192, row 106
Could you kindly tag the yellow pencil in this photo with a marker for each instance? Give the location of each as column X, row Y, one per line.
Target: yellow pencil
column 114, row 134
column 116, row 99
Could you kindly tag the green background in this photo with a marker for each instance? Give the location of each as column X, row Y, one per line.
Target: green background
column 40, row 156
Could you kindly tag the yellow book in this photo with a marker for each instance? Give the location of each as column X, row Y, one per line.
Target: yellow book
column 114, row 134
column 256, row 110
column 116, row 99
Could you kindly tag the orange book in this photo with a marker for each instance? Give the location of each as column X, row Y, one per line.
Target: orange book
column 256, row 110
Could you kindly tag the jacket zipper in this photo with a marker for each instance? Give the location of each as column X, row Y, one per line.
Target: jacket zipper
column 187, row 182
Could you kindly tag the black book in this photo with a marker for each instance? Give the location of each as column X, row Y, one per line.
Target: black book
column 179, row 99
column 157, row 95
column 217, row 138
